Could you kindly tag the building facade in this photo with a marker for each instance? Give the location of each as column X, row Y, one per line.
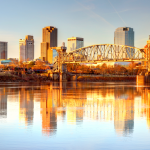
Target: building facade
column 124, row 36
column 49, row 39
column 3, row 50
column 26, row 48
column 74, row 43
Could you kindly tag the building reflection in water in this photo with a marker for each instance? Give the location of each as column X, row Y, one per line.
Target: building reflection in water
column 48, row 112
column 124, row 110
column 146, row 103
column 3, row 103
column 75, row 102
column 26, row 102
column 103, row 104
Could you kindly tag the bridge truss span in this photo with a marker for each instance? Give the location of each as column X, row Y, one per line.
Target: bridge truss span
column 105, row 53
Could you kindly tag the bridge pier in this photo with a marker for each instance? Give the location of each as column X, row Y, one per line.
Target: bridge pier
column 62, row 77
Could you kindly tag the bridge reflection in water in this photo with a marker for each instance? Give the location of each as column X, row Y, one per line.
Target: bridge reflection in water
column 73, row 103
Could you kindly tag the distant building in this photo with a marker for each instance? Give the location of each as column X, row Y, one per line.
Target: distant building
column 49, row 39
column 125, row 36
column 5, row 62
column 74, row 43
column 3, row 50
column 26, row 48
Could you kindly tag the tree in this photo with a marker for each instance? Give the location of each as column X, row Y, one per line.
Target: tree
column 104, row 68
column 31, row 64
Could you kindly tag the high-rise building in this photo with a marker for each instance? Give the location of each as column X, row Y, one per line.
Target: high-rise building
column 49, row 39
column 3, row 50
column 26, row 48
column 125, row 36
column 74, row 43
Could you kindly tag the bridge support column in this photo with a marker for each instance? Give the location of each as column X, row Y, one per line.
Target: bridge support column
column 62, row 77
column 55, row 76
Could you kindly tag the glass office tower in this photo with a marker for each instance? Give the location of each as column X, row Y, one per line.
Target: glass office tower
column 124, row 36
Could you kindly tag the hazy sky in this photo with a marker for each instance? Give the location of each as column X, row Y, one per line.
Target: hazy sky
column 94, row 20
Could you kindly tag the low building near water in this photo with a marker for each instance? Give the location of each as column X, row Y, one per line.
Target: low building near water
column 5, row 62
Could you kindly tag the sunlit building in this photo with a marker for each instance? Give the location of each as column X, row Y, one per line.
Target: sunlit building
column 3, row 50
column 26, row 48
column 49, row 39
column 74, row 43
column 125, row 36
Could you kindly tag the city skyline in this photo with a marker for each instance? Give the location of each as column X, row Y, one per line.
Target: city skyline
column 78, row 19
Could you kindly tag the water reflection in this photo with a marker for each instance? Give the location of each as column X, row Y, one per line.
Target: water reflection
column 26, row 103
column 3, row 103
column 48, row 113
column 75, row 103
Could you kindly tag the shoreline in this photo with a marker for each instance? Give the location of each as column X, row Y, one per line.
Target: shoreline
column 45, row 79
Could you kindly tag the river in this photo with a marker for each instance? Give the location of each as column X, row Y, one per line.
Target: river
column 74, row 116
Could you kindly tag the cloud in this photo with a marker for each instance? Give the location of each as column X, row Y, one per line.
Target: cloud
column 88, row 8
column 117, row 13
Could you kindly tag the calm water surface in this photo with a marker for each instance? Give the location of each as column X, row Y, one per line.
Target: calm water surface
column 74, row 116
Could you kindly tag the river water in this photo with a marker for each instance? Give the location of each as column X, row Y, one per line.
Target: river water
column 74, row 116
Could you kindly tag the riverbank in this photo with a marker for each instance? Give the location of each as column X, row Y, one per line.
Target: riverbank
column 6, row 77
column 9, row 77
column 107, row 79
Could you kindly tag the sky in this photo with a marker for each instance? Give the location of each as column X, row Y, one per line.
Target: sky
column 93, row 20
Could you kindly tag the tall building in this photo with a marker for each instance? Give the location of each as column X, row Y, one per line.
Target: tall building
column 49, row 39
column 125, row 36
column 3, row 50
column 26, row 48
column 74, row 43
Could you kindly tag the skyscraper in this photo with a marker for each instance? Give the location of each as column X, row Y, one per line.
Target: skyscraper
column 26, row 48
column 3, row 50
column 74, row 43
column 49, row 39
column 125, row 36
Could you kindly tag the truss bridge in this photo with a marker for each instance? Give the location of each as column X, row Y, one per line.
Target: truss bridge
column 101, row 53
column 105, row 53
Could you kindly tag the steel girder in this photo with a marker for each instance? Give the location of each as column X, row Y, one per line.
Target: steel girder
column 104, row 53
